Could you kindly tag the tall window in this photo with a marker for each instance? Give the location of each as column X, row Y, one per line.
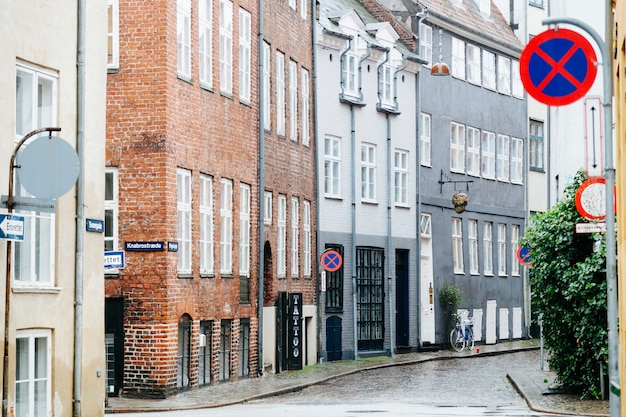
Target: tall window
column 226, row 226
column 385, row 82
column 473, row 64
column 502, row 249
column 205, row 26
column 280, row 93
column 245, row 40
column 517, row 160
column 472, row 237
column 183, row 38
column 306, row 238
column 489, row 155
column 488, row 248
column 535, row 142
column 206, row 225
column 33, row 365
column 304, row 9
column 426, row 43
column 205, row 370
column 516, row 78
column 267, row 213
column 244, row 230
column 370, row 298
column 458, row 58
column 457, row 147
column 425, row 135
column 503, row 149
column 295, row 233
column 183, row 192
column 111, row 209
column 489, row 70
column 293, row 100
column 350, row 73
column 184, row 352
column 281, row 252
column 332, row 165
column 457, row 246
column 304, row 110
column 226, row 46
column 473, row 151
column 504, row 75
column 368, row 172
column 113, row 34
column 401, row 177
column 267, row 86
column 514, row 247
column 36, row 99
column 244, row 347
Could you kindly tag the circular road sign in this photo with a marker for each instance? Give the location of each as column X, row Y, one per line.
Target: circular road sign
column 523, row 255
column 557, row 67
column 331, row 260
column 591, row 199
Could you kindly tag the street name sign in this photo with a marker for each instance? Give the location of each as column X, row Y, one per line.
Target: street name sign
column 114, row 260
column 11, row 227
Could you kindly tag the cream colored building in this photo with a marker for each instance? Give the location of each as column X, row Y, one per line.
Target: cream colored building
column 55, row 351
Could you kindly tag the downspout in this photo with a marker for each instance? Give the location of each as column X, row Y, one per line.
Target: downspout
column 389, row 255
column 80, row 203
column 353, row 243
column 261, row 162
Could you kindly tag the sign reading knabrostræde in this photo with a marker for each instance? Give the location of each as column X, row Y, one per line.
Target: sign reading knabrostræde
column 144, row 246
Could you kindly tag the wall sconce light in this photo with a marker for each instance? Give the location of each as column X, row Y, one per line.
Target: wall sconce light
column 440, row 68
column 460, row 197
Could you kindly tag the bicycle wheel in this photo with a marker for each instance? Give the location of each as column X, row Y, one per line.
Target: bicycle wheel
column 470, row 338
column 457, row 339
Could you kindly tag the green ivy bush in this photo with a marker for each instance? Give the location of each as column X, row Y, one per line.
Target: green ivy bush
column 568, row 282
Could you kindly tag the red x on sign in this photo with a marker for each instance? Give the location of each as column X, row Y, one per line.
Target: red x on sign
column 557, row 67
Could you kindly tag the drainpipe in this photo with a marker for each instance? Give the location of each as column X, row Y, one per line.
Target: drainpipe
column 389, row 254
column 353, row 243
column 80, row 204
column 261, row 193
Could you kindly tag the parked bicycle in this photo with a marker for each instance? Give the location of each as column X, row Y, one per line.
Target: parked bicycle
column 462, row 334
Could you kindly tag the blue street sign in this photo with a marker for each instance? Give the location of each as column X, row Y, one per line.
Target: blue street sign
column 114, row 259
column 11, row 227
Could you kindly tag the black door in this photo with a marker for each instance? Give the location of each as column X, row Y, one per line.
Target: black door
column 402, row 298
column 333, row 338
column 114, row 344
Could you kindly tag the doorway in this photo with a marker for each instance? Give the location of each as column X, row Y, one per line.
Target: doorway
column 402, row 299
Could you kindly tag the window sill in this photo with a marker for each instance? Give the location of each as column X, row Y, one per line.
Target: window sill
column 36, row 290
column 227, row 276
column 206, row 275
column 185, row 276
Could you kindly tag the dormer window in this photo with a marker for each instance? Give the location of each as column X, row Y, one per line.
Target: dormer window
column 386, row 86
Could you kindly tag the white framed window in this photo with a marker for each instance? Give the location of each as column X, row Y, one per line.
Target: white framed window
column 267, row 212
column 385, row 84
column 280, row 93
column 401, row 177
column 33, row 372
column 457, row 246
column 350, row 74
column 503, row 149
column 472, row 237
column 183, row 38
column 267, row 86
column 535, row 143
column 426, row 43
column 304, row 9
column 183, row 207
column 368, row 172
column 458, row 58
column 281, row 241
column 304, row 109
column 514, row 247
column 306, row 238
column 517, row 160
column 516, row 79
column 244, row 230
column 245, row 42
column 425, row 139
column 111, row 209
column 226, row 46
column 489, row 70
column 488, row 155
column 226, row 226
column 488, row 248
column 502, row 249
column 293, row 100
column 113, row 34
column 473, row 64
column 504, row 75
column 295, row 233
column 205, row 38
column 207, row 263
column 332, row 166
column 473, row 151
column 457, row 147
column 36, row 99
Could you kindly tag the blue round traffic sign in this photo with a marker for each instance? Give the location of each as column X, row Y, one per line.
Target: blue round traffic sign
column 557, row 67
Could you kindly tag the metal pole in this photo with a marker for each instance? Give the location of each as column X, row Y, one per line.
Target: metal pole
column 609, row 169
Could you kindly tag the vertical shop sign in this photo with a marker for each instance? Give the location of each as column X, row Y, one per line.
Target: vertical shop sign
column 295, row 331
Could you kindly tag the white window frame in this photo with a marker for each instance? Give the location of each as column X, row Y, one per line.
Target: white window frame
column 295, row 234
column 280, row 93
column 517, row 160
column 488, row 158
column 226, row 226
column 458, row 58
column 401, row 177
column 207, row 261
column 184, row 187
column 426, row 43
column 306, row 238
column 368, row 172
column 111, row 209
column 457, row 246
column 305, row 106
column 473, row 151
column 205, row 39
column 183, row 38
column 516, row 79
column 36, row 99
column 503, row 150
column 488, row 248
column 304, row 10
column 293, row 100
column 457, row 147
column 245, row 47
column 473, row 64
column 535, row 143
column 425, row 139
column 281, row 241
column 515, row 266
column 244, row 230
column 489, row 70
column 113, row 34
column 502, row 249
column 267, row 86
column 472, row 237
column 267, row 212
column 226, row 46
column 504, row 75
column 332, row 166
column 385, row 84
column 350, row 73
column 34, row 379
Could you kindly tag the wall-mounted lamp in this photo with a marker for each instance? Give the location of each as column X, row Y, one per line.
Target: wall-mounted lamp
column 440, row 68
column 459, row 198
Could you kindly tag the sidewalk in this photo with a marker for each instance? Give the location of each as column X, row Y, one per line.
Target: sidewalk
column 530, row 384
